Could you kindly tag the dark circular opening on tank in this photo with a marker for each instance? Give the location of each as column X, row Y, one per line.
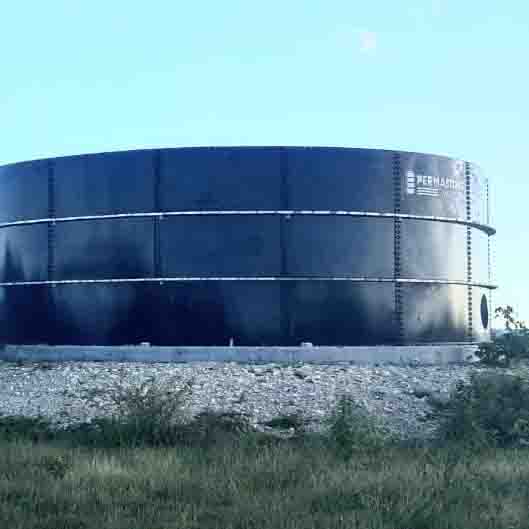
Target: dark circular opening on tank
column 484, row 311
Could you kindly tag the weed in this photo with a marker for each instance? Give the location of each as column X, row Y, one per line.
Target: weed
column 491, row 411
column 350, row 429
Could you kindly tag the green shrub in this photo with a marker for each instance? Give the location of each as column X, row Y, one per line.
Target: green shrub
column 513, row 345
column 15, row 428
column 492, row 411
column 351, row 429
column 210, row 427
column 155, row 417
column 149, row 414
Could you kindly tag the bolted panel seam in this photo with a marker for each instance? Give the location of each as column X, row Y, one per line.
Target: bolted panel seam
column 51, row 225
column 490, row 255
column 157, row 272
column 470, row 329
column 286, row 322
column 396, row 173
column 489, row 244
column 51, row 241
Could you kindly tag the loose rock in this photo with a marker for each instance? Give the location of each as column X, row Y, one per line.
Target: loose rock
column 400, row 398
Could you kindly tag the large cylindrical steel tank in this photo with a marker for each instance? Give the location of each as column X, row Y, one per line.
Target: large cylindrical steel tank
column 261, row 245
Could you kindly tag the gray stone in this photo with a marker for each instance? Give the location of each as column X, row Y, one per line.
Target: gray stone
column 74, row 392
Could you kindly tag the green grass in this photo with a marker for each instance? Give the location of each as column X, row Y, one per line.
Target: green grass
column 152, row 467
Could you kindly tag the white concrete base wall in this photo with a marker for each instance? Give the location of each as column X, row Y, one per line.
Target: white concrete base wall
column 383, row 354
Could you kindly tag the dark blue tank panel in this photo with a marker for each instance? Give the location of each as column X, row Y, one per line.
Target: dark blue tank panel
column 25, row 253
column 103, row 184
column 433, row 250
column 366, row 312
column 259, row 245
column 220, row 179
column 220, row 246
column 27, row 317
column 24, row 191
column 434, row 313
column 480, row 250
column 117, row 248
column 338, row 246
column 479, row 195
column 339, row 179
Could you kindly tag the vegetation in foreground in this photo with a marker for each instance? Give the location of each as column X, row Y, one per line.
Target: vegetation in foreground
column 151, row 467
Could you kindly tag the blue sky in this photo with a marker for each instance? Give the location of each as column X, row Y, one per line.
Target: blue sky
column 437, row 76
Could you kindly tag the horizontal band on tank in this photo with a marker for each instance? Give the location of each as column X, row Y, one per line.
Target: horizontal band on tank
column 168, row 279
column 487, row 229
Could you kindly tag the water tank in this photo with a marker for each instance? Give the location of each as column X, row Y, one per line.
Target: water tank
column 253, row 245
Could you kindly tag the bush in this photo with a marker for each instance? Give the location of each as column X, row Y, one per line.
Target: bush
column 146, row 415
column 512, row 345
column 350, row 429
column 210, row 428
column 490, row 412
column 18, row 428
